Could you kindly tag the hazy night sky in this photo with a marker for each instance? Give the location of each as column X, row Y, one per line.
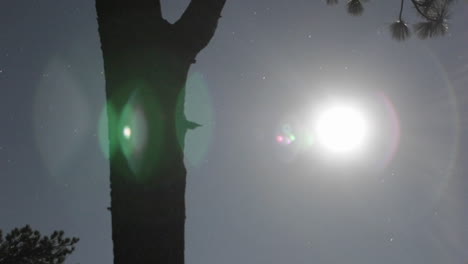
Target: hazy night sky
column 249, row 199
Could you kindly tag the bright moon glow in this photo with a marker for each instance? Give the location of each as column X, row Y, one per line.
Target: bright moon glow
column 341, row 129
column 127, row 132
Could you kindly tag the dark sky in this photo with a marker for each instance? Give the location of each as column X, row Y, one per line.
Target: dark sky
column 250, row 199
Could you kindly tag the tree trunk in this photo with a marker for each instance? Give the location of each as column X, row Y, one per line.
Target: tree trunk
column 146, row 63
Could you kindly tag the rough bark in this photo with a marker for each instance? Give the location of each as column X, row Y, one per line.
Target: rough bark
column 146, row 61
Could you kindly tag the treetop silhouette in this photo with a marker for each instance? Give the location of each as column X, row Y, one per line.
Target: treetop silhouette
column 25, row 246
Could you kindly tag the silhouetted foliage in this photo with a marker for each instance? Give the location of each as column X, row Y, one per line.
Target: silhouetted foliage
column 400, row 30
column 434, row 13
column 355, row 7
column 27, row 246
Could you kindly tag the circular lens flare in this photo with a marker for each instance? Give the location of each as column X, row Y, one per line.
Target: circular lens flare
column 279, row 139
column 341, row 129
column 286, row 137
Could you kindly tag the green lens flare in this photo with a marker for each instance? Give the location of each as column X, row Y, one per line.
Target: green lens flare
column 107, row 116
column 131, row 126
column 135, row 142
column 198, row 108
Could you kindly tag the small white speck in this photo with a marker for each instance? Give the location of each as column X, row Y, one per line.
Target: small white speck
column 309, row 36
column 127, row 132
column 391, row 239
column 264, row 78
column 346, row 67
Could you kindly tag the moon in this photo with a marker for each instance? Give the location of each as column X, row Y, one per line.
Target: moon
column 342, row 129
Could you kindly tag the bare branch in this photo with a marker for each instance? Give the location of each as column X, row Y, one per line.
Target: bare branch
column 197, row 25
column 402, row 5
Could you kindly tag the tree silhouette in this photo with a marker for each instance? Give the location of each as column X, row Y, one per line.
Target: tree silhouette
column 27, row 246
column 146, row 62
column 434, row 15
